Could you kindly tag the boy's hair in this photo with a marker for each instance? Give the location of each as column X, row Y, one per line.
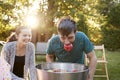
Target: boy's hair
column 66, row 25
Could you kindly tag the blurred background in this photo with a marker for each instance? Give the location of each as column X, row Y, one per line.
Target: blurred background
column 98, row 19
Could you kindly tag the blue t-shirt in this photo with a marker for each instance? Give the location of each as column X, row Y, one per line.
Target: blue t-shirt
column 81, row 45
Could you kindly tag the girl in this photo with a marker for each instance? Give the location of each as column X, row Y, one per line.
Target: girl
column 20, row 54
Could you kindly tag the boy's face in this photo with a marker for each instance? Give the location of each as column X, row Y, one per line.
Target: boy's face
column 67, row 39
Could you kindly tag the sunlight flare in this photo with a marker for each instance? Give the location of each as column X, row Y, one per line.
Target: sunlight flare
column 31, row 21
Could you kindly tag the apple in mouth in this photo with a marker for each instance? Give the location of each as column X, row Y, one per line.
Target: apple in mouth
column 68, row 47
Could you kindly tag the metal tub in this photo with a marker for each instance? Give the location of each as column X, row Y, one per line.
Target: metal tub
column 44, row 73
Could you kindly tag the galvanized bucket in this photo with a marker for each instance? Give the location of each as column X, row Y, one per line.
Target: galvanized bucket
column 67, row 71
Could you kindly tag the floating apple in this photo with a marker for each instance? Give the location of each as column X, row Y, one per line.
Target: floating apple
column 56, row 70
column 59, row 70
column 75, row 70
column 68, row 47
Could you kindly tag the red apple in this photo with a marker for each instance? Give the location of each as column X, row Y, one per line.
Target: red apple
column 56, row 70
column 68, row 47
column 75, row 70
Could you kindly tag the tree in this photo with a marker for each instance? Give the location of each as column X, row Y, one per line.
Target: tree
column 5, row 16
column 111, row 30
column 114, row 16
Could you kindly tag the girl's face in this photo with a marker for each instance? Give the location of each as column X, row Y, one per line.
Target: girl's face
column 24, row 36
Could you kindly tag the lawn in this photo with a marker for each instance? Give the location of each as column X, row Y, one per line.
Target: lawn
column 113, row 64
column 113, row 58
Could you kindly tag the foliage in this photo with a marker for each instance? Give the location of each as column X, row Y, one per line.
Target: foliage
column 90, row 16
column 6, row 15
column 81, row 24
column 104, row 6
column 114, row 16
column 6, row 12
column 5, row 31
column 111, row 30
column 95, row 36
column 111, row 37
column 109, row 17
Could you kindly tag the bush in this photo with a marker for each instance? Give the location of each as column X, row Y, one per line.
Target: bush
column 111, row 38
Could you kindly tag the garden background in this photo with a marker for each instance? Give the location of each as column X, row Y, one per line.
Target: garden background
column 98, row 19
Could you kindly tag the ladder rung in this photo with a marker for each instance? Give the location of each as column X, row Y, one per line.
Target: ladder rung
column 100, row 75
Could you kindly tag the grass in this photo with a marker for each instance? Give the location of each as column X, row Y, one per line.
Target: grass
column 113, row 58
column 40, row 59
column 0, row 48
column 113, row 65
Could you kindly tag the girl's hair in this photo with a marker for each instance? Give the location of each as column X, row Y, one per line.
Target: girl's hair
column 66, row 25
column 18, row 29
column 12, row 37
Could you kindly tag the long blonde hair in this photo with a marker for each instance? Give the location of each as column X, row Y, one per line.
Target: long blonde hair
column 12, row 37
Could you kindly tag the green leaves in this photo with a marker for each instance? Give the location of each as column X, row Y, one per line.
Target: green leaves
column 114, row 16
